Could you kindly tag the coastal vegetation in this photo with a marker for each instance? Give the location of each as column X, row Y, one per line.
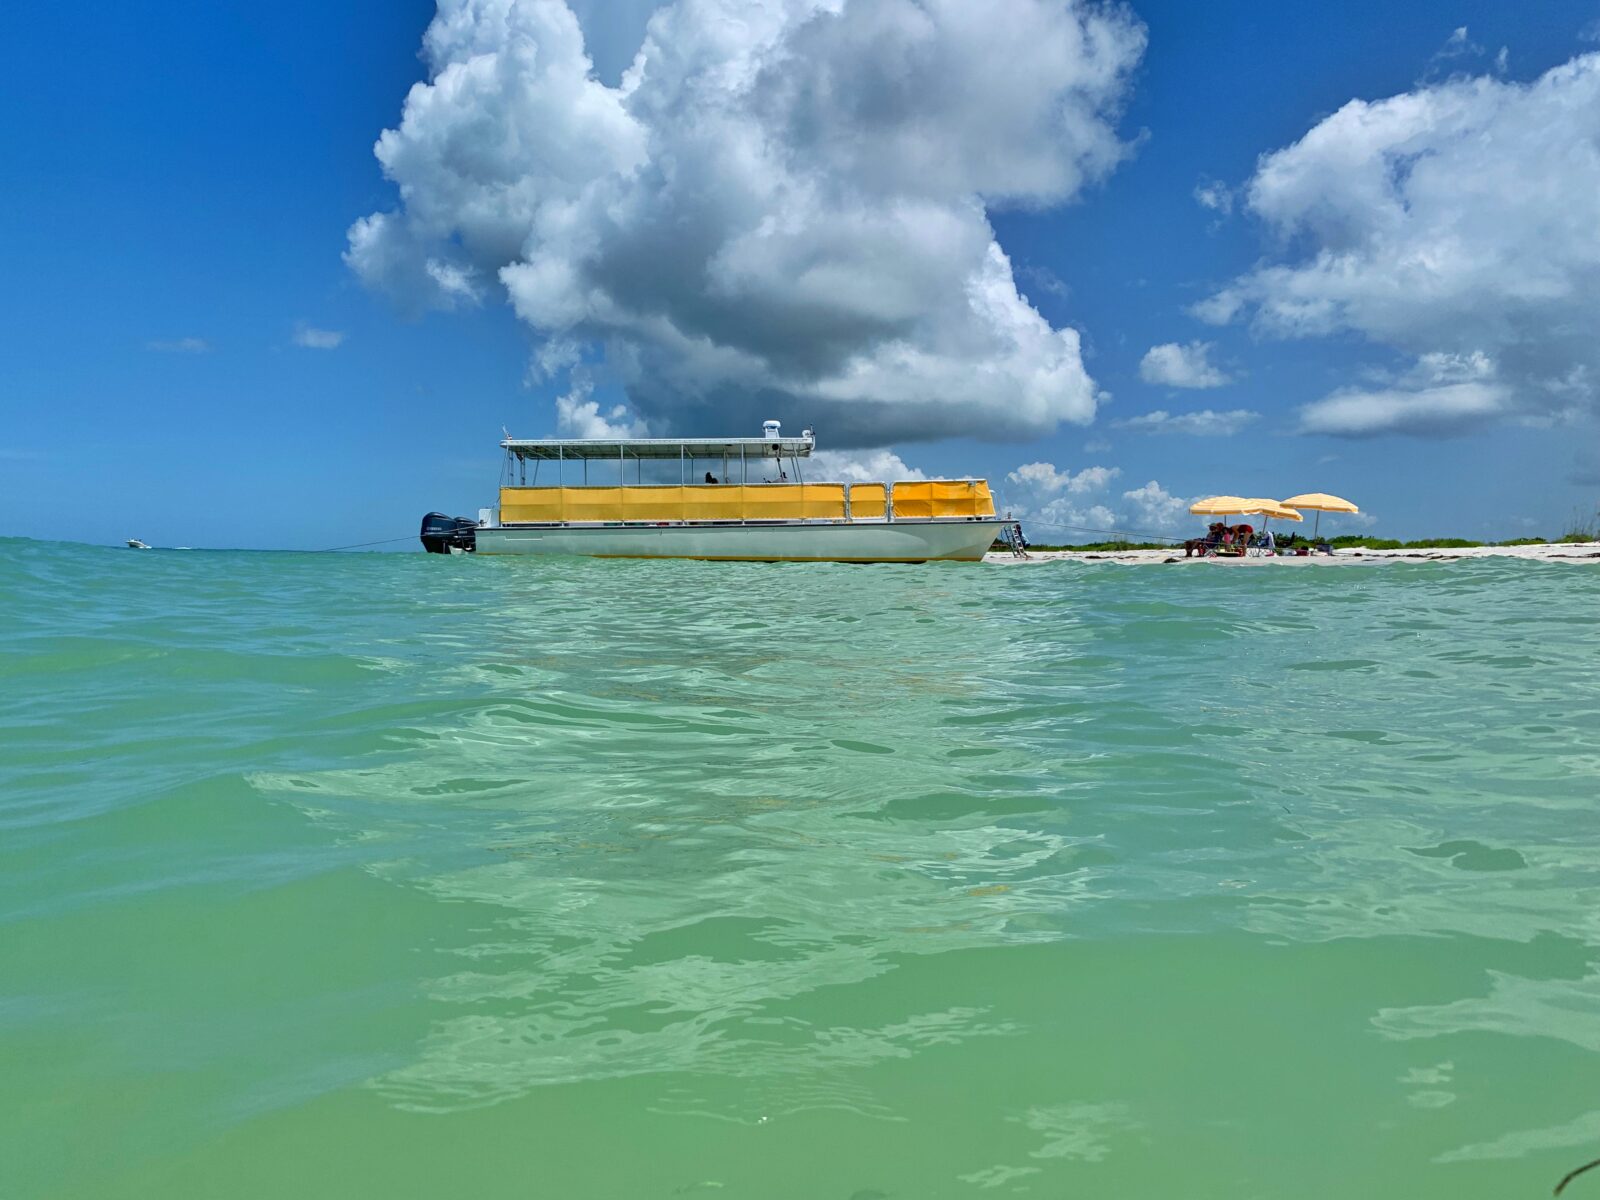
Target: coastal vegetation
column 1585, row 526
column 1583, row 530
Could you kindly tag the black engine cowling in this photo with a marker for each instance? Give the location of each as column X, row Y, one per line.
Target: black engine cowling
column 441, row 533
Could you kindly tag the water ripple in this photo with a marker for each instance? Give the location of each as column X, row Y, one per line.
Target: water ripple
column 701, row 826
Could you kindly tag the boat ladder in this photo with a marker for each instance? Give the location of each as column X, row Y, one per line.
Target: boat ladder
column 1012, row 534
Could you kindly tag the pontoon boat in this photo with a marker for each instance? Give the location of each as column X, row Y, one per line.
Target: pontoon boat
column 734, row 498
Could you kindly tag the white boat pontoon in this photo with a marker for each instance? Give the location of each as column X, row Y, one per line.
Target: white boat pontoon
column 714, row 498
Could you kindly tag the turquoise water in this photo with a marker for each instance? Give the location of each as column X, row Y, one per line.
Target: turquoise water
column 393, row 875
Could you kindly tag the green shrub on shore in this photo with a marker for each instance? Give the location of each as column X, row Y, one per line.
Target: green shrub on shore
column 1357, row 541
column 1585, row 527
column 1534, row 541
column 1363, row 542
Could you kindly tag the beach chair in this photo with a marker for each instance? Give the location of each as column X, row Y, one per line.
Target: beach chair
column 1262, row 545
column 1203, row 546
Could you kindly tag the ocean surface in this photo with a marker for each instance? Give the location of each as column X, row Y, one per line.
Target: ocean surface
column 379, row 875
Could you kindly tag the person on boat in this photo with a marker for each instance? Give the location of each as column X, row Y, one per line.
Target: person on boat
column 710, row 478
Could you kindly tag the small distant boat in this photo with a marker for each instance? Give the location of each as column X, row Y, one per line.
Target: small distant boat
column 737, row 513
column 136, row 544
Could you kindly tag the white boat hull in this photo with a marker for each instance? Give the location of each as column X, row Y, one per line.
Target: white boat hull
column 861, row 541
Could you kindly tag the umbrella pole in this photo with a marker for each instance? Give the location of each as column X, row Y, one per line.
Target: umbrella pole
column 1317, row 525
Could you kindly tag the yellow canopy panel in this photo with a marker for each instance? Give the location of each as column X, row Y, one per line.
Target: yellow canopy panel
column 584, row 504
column 793, row 501
column 867, row 500
column 943, row 498
column 723, row 502
column 736, row 502
column 712, row 502
column 533, row 506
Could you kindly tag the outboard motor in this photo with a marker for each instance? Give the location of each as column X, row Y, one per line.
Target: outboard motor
column 442, row 534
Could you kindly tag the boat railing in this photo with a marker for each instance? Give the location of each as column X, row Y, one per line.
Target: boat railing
column 746, row 503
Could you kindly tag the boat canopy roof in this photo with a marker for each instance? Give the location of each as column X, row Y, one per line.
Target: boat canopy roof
column 553, row 449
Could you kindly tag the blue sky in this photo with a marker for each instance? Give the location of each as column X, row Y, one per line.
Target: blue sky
column 189, row 358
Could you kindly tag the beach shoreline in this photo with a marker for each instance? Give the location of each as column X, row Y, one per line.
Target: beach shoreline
column 1552, row 552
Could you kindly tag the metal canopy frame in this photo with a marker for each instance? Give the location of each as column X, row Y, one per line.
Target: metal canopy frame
column 561, row 449
column 689, row 452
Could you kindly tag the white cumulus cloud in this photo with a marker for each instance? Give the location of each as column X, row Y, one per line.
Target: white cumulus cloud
column 1045, row 479
column 859, row 466
column 1074, row 505
column 1457, row 45
column 310, row 338
column 778, row 208
column 1174, row 365
column 1215, row 195
column 1442, row 393
column 578, row 416
column 1156, row 509
column 1448, row 408
column 1452, row 221
column 186, row 345
column 1062, row 502
column 1204, row 423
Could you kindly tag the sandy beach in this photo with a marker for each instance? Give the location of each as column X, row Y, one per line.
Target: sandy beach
column 1557, row 552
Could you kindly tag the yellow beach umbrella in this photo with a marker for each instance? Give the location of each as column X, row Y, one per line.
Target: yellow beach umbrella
column 1321, row 502
column 1271, row 508
column 1244, row 506
column 1219, row 506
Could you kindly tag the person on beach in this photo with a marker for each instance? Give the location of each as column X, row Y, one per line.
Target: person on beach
column 1235, row 540
column 1204, row 546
